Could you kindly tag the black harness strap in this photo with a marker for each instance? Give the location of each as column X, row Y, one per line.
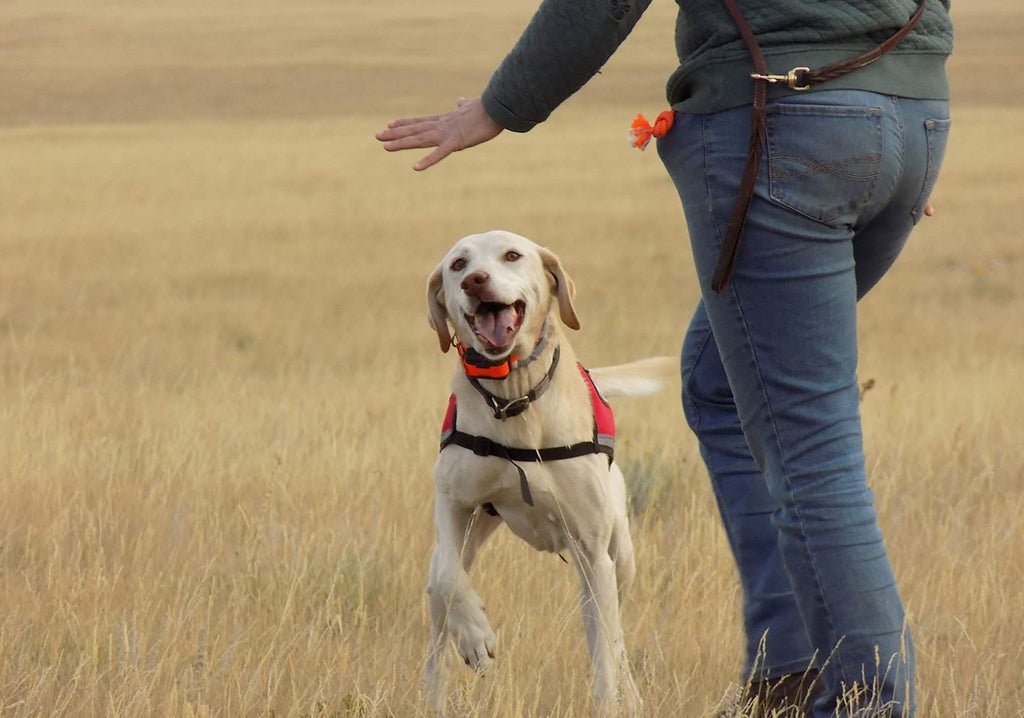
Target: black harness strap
column 482, row 446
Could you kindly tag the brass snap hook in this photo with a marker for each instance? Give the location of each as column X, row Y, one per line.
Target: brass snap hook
column 791, row 78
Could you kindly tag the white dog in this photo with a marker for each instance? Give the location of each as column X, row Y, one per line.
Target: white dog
column 527, row 441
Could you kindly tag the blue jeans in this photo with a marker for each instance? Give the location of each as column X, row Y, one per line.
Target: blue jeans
column 769, row 372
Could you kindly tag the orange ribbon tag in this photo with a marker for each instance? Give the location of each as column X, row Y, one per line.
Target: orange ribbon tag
column 641, row 131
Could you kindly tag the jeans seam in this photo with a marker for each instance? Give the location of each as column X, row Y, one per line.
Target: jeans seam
column 834, row 638
column 707, row 179
column 901, row 127
column 686, row 394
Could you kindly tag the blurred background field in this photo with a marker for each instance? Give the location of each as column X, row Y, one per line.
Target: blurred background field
column 219, row 397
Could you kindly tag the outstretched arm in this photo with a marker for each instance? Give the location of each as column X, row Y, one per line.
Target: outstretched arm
column 565, row 44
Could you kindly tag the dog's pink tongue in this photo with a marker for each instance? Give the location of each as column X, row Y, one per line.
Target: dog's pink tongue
column 497, row 327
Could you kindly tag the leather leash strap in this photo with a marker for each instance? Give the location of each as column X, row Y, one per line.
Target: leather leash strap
column 799, row 78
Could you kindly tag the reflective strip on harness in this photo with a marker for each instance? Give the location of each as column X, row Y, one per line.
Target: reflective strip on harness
column 604, row 419
column 449, row 422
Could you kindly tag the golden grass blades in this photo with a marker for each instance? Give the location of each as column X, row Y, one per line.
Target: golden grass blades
column 219, row 398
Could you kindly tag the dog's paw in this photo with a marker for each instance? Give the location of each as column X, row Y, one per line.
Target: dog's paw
column 475, row 641
column 478, row 651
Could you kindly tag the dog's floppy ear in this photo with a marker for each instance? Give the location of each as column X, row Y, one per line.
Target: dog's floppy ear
column 437, row 315
column 564, row 287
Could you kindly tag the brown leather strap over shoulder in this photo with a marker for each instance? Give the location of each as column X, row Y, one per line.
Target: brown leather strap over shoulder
column 799, row 78
column 838, row 69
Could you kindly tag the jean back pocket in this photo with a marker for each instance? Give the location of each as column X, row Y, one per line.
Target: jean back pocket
column 824, row 161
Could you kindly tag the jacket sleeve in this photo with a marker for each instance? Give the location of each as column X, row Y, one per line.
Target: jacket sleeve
column 566, row 43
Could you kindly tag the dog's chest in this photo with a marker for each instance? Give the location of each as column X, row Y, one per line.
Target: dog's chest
column 539, row 526
column 570, row 498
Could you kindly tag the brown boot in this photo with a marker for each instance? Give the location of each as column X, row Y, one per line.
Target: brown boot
column 791, row 696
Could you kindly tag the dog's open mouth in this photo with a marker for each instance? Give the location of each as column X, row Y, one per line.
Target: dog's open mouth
column 497, row 324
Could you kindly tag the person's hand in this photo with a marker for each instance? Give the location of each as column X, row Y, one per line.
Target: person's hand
column 929, row 211
column 466, row 126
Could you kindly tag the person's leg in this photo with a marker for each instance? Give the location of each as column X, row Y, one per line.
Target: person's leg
column 776, row 642
column 786, row 332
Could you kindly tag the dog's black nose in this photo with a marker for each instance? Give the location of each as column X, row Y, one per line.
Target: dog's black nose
column 474, row 283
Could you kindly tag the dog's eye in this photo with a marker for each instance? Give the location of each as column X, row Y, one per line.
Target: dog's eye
column 512, row 255
column 458, row 265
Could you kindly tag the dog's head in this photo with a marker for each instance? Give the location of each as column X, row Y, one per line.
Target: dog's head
column 497, row 289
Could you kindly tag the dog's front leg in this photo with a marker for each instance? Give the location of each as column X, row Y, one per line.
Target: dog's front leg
column 434, row 673
column 614, row 689
column 455, row 608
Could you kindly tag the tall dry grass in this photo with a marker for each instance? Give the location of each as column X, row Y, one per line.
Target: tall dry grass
column 219, row 398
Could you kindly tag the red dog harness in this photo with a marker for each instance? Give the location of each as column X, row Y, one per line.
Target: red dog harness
column 603, row 441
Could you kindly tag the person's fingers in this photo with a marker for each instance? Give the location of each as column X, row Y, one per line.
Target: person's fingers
column 424, row 138
column 422, row 134
column 406, row 121
column 402, row 131
column 929, row 211
column 433, row 158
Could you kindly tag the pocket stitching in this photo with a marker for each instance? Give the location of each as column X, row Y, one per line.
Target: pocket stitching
column 829, row 167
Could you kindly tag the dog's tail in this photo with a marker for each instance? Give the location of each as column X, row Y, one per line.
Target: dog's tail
column 638, row 378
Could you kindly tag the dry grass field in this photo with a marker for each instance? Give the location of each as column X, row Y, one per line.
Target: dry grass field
column 219, row 397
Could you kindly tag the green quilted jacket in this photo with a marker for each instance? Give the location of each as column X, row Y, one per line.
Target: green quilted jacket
column 568, row 41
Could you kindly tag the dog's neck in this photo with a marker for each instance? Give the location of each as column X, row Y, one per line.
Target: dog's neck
column 515, row 379
column 478, row 366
